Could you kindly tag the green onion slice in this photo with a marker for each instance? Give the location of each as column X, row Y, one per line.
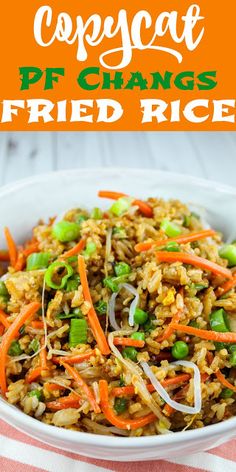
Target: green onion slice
column 78, row 332
column 66, row 231
column 170, row 229
column 58, row 274
column 228, row 251
column 219, row 321
column 38, row 260
column 15, row 349
column 121, row 206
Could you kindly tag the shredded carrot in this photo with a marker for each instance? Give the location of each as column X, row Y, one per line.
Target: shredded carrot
column 226, row 287
column 71, row 401
column 39, row 371
column 181, row 378
column 164, row 256
column 224, row 381
column 3, row 319
column 75, row 250
column 204, row 377
column 169, row 330
column 31, row 249
column 168, row 410
column 2, row 329
column 20, row 262
column 205, row 334
column 11, row 334
column 143, row 206
column 130, row 390
column 43, row 358
column 128, row 342
column 33, row 375
column 36, row 324
column 111, row 195
column 4, row 256
column 74, row 359
column 187, row 238
column 83, row 386
column 145, row 209
column 42, row 369
column 209, row 357
column 51, row 387
column 119, row 421
column 92, row 315
column 12, row 248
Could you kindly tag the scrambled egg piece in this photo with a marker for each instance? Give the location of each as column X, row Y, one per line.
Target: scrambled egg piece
column 169, row 298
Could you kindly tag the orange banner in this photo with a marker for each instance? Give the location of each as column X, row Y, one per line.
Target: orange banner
column 144, row 65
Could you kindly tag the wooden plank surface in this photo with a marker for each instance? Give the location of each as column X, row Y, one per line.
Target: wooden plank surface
column 208, row 155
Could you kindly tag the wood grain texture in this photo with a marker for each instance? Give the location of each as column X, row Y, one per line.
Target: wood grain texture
column 208, row 155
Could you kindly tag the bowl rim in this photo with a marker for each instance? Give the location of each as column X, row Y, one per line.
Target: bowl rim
column 34, row 427
column 18, row 419
column 198, row 181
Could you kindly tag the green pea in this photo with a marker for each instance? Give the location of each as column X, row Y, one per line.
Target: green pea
column 120, row 405
column 180, row 350
column 66, row 231
column 130, row 353
column 140, row 316
column 139, row 336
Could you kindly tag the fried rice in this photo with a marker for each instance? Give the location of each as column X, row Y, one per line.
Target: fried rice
column 106, row 327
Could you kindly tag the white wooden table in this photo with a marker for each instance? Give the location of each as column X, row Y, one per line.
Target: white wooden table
column 209, row 155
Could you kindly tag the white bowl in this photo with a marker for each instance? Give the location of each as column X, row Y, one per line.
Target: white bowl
column 24, row 202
